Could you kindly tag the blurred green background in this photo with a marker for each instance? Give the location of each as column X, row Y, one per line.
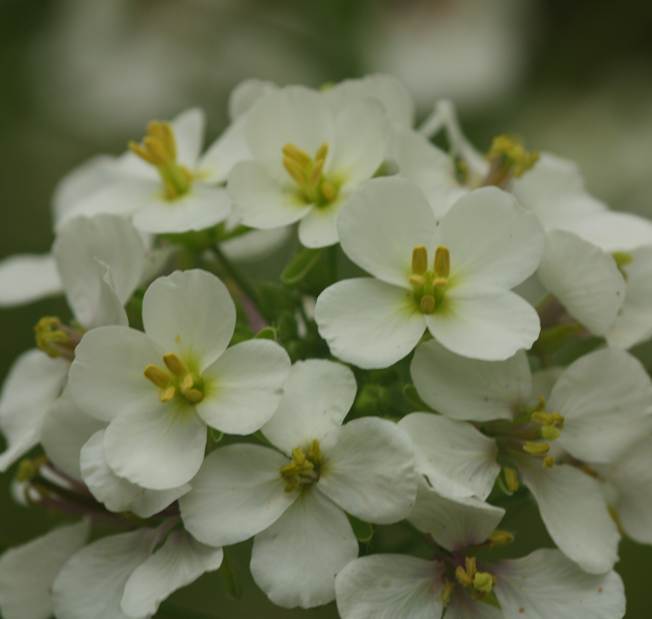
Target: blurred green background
column 82, row 77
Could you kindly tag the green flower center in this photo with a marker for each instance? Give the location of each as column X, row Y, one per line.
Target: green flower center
column 176, row 380
column 313, row 185
column 304, row 469
column 429, row 286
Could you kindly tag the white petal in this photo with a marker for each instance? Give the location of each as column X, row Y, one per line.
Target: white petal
column 543, row 381
column 117, row 494
column 485, row 323
column 632, row 477
column 584, row 279
column 190, row 313
column 360, row 141
column 33, row 384
column 470, row 389
column 88, row 177
column 554, row 190
column 430, row 168
column 389, row 587
column 123, row 196
column 246, row 93
column 85, row 248
column 614, row 231
column 634, row 322
column 261, row 200
column 368, row 323
column 292, row 115
column 457, row 523
column 283, row 558
column 316, row 398
column 455, row 457
column 238, row 493
column 545, row 584
column 319, row 227
column 223, row 154
column 370, row 470
column 386, row 89
column 202, row 207
column 91, row 583
column 27, row 572
column 574, row 512
column 179, row 562
column 249, row 379
column 65, row 430
column 26, row 278
column 106, row 377
column 492, row 240
column 606, row 399
column 188, row 128
column 158, row 448
column 383, row 221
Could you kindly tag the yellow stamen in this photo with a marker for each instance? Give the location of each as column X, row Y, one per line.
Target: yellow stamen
column 194, row 396
column 512, row 481
column 175, row 365
column 550, row 433
column 168, row 393
column 549, row 462
column 308, row 173
column 462, row 577
column 442, row 262
column 157, row 375
column 483, row 582
column 501, row 538
column 536, row 449
column 509, row 154
column 304, row 468
column 419, row 260
column 447, row 592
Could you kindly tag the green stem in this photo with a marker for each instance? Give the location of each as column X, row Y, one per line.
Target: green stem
column 238, row 278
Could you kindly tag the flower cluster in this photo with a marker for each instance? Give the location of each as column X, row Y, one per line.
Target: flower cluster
column 450, row 340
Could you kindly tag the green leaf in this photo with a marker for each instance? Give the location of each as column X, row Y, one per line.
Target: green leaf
column 300, row 265
column 363, row 530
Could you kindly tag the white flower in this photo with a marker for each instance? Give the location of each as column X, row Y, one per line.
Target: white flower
column 293, row 500
column 160, row 389
column 484, row 246
column 27, row 572
column 164, row 182
column 544, row 584
column 123, row 576
column 596, row 410
column 306, row 160
column 99, row 261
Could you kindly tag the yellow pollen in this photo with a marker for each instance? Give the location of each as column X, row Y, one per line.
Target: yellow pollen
column 308, row 174
column 304, row 468
column 462, row 577
column 501, row 538
column 550, row 433
column 509, row 154
column 536, row 449
column 174, row 364
column 175, row 379
column 442, row 262
column 55, row 338
column 168, row 393
column 159, row 149
column 156, row 375
column 419, row 260
column 483, row 582
column 549, row 462
column 510, row 476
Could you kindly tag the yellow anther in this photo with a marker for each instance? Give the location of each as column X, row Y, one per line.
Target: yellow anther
column 471, row 564
column 294, row 153
column 549, row 462
column 501, row 538
column 157, row 375
column 509, row 154
column 550, row 433
column 427, row 304
column 304, row 467
column 175, row 365
column 29, row 468
column 322, row 153
column 483, row 582
column 622, row 259
column 194, row 396
column 558, row 420
column 462, row 577
column 295, row 170
column 419, row 260
column 308, row 173
column 187, row 383
column 442, row 262
column 536, row 449
column 447, row 592
column 55, row 338
column 512, row 481
column 168, row 393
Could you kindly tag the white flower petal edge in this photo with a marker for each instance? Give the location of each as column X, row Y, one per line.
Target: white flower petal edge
column 117, row 494
column 546, row 584
column 92, row 581
column 33, row 384
column 179, row 562
column 456, row 458
column 585, row 280
column 190, row 313
column 283, row 559
column 456, row 523
column 27, row 572
column 237, row 493
column 26, row 278
column 606, row 399
column 565, row 496
column 368, row 323
column 470, row 389
column 316, row 398
column 369, row 470
column 249, row 379
column 390, row 587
